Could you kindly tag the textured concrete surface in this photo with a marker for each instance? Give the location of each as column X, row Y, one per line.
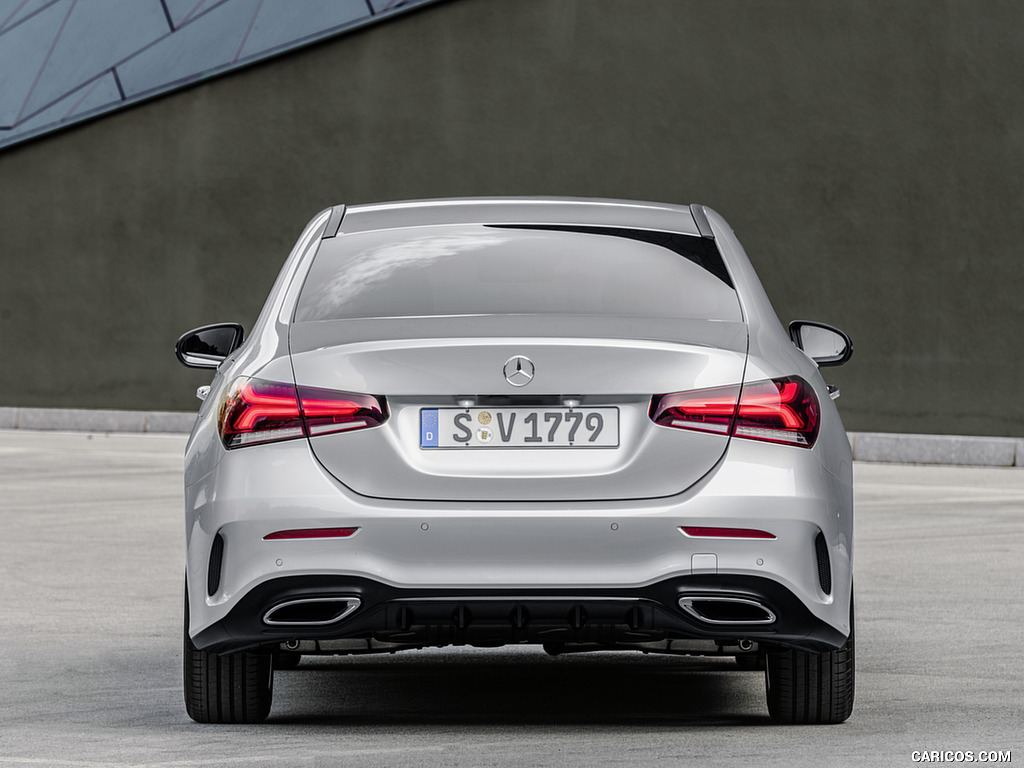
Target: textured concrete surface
column 95, row 420
column 938, row 449
column 867, row 154
column 90, row 666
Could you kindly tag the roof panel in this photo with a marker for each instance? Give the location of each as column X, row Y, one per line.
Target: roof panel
column 63, row 60
column 522, row 210
column 279, row 23
column 114, row 29
column 182, row 11
column 23, row 52
column 207, row 43
column 13, row 11
column 386, row 6
column 100, row 92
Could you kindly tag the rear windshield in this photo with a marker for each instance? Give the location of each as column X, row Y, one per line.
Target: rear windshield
column 515, row 270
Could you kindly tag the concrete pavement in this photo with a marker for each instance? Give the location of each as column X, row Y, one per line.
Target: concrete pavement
column 91, row 547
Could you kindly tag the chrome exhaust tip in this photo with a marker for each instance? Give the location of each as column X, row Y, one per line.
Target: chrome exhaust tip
column 311, row 612
column 715, row 609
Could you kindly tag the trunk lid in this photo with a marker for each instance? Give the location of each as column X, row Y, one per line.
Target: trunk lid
column 434, row 364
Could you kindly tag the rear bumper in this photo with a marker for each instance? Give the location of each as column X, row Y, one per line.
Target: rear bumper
column 491, row 557
column 490, row 617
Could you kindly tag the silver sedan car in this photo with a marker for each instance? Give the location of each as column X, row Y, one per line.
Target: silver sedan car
column 571, row 423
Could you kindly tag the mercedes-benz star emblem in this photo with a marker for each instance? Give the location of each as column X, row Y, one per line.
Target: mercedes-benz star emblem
column 518, row 371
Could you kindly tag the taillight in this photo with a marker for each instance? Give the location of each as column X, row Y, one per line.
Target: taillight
column 779, row 411
column 255, row 411
column 705, row 410
column 326, row 411
column 782, row 410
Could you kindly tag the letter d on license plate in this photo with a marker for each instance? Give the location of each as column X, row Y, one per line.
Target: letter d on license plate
column 428, row 428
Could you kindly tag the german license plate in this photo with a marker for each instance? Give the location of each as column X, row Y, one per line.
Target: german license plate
column 519, row 428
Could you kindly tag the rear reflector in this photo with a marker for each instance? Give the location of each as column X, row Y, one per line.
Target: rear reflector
column 725, row 533
column 255, row 411
column 312, row 533
column 784, row 410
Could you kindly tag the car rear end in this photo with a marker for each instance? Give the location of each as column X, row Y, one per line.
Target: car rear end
column 553, row 423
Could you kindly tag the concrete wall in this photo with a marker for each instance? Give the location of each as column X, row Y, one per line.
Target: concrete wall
column 868, row 154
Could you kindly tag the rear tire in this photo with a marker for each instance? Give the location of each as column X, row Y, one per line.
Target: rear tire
column 226, row 687
column 811, row 688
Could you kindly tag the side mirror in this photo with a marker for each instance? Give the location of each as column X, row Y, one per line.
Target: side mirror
column 822, row 343
column 207, row 347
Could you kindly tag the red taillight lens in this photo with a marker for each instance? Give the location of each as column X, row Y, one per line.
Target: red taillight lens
column 706, row 410
column 255, row 411
column 779, row 411
column 782, row 410
column 328, row 411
